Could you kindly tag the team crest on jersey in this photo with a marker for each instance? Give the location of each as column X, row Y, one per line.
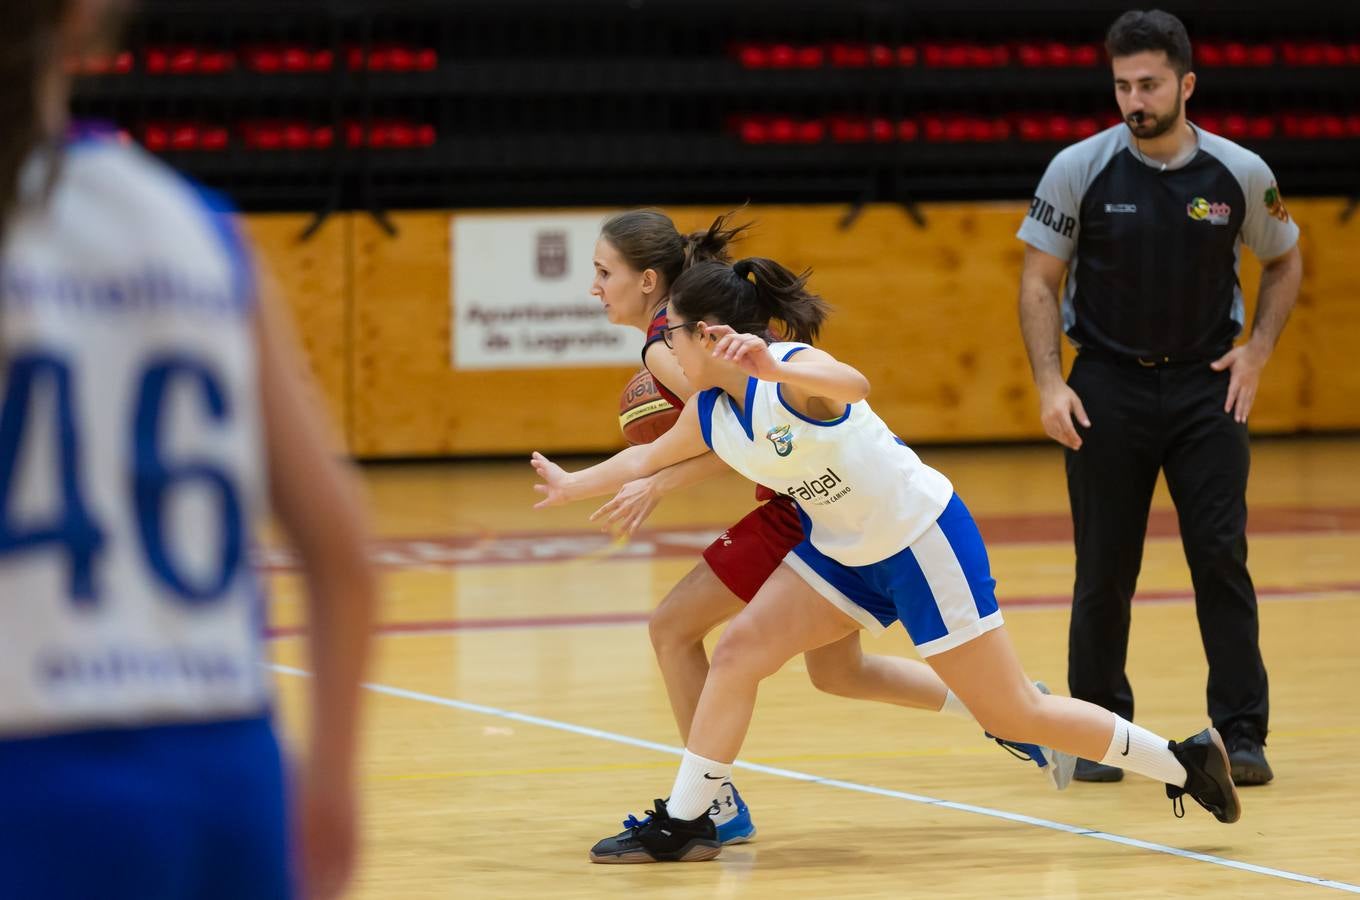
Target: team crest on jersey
column 1275, row 203
column 782, row 440
column 1202, row 210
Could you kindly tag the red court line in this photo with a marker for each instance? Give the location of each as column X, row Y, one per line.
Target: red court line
column 585, row 620
column 1029, row 528
column 530, row 547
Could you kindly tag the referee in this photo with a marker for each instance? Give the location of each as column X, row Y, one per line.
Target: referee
column 1146, row 219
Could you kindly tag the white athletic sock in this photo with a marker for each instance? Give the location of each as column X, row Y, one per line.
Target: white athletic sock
column 696, row 786
column 953, row 706
column 1135, row 748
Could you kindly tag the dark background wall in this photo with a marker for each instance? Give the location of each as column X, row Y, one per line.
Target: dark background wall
column 316, row 106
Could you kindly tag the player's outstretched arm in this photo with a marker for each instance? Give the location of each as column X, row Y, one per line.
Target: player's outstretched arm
column 635, row 501
column 683, row 441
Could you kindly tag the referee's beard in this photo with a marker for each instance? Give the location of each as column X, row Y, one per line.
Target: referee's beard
column 1154, row 126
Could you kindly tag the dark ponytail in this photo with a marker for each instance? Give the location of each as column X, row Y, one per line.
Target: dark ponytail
column 648, row 239
column 711, row 245
column 751, row 295
column 28, row 47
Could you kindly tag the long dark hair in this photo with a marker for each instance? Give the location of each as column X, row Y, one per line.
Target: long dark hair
column 28, row 47
column 749, row 295
column 648, row 239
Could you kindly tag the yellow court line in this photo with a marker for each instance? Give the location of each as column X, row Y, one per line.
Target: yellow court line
column 933, row 752
column 1276, row 733
column 502, row 773
column 670, row 764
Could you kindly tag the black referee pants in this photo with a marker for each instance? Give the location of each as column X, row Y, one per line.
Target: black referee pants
column 1171, row 419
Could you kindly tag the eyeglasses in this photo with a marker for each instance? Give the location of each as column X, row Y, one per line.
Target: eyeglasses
column 761, row 330
column 667, row 332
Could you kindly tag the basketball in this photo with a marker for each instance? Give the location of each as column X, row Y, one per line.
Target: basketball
column 644, row 415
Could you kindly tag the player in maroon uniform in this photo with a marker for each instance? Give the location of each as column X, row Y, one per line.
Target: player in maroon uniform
column 638, row 256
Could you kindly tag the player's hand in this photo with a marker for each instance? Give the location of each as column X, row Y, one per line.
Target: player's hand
column 1246, row 363
column 630, row 507
column 1058, row 406
column 748, row 351
column 555, row 481
column 327, row 832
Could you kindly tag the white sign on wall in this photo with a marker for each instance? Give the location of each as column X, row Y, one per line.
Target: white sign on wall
column 521, row 295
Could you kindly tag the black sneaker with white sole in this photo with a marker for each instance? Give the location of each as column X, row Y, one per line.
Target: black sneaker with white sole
column 1208, row 777
column 660, row 838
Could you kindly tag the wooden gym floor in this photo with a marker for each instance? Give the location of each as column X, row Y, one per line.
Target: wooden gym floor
column 516, row 714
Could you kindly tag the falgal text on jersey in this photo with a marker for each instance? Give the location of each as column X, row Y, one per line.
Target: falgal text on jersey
column 819, row 490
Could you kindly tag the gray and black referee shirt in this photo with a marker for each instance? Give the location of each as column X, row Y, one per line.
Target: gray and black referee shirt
column 1153, row 251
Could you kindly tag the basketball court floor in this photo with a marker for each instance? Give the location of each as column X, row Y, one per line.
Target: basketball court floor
column 515, row 714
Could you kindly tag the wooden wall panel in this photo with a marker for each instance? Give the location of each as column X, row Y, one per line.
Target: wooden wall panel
column 1318, row 352
column 409, row 401
column 928, row 313
column 313, row 277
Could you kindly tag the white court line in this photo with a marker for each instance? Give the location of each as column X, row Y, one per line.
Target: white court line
column 848, row 785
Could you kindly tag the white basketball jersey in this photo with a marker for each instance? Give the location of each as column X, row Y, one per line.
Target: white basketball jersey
column 863, row 492
column 130, row 454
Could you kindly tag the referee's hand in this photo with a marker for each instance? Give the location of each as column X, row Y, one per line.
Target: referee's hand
column 1245, row 364
column 1059, row 405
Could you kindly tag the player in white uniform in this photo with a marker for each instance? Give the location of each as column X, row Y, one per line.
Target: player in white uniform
column 887, row 540
column 151, row 410
column 638, row 255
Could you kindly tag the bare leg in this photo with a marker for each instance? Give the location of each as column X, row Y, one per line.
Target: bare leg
column 697, row 604
column 787, row 617
column 986, row 674
column 842, row 668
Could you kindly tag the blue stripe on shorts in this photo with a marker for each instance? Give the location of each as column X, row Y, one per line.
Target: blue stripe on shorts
column 940, row 588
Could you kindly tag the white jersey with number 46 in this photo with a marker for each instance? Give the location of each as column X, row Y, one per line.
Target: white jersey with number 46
column 130, row 452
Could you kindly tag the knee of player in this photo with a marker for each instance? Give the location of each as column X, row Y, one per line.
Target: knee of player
column 1000, row 722
column 831, row 679
column 741, row 651
column 1015, row 718
column 671, row 630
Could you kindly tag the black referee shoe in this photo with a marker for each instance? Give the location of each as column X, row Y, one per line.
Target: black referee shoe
column 1208, row 777
column 1247, row 754
column 660, row 838
column 1089, row 770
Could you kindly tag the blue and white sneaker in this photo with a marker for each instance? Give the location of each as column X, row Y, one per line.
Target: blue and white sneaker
column 1056, row 765
column 733, row 817
column 730, row 814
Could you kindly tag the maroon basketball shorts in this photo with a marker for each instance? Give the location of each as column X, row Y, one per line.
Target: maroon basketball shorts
column 746, row 554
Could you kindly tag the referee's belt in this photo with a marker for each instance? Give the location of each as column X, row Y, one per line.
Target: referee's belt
column 1148, row 362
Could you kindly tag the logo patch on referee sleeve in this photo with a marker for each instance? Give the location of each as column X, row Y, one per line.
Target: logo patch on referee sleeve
column 1275, row 203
